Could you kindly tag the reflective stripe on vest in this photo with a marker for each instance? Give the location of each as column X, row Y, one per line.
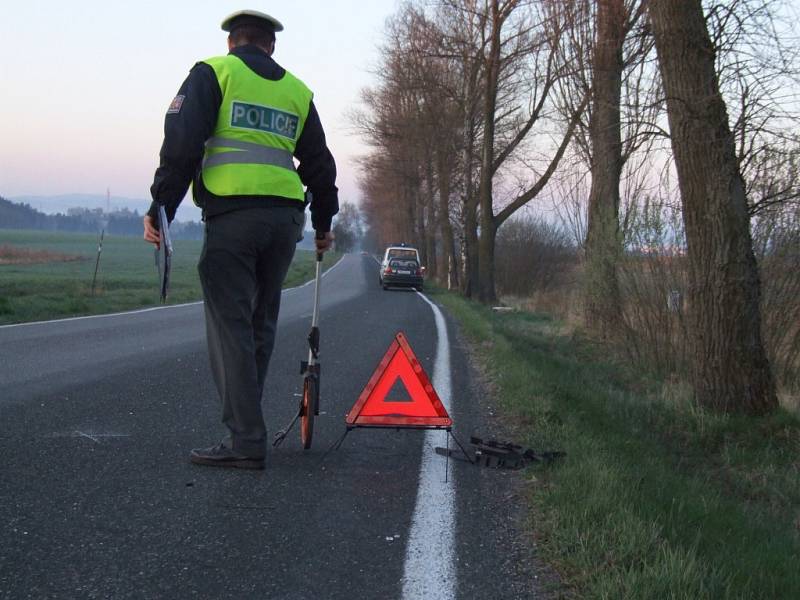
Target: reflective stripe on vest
column 238, row 152
column 251, row 149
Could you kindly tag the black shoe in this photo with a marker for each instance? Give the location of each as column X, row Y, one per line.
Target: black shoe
column 221, row 456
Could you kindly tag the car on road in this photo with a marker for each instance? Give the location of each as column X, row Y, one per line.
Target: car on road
column 401, row 268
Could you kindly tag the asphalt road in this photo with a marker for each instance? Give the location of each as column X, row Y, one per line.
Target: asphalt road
column 98, row 498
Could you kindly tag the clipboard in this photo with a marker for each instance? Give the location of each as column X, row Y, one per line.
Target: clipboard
column 163, row 254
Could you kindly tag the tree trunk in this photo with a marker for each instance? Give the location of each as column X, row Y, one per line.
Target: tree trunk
column 418, row 241
column 469, row 241
column 603, row 243
column 486, row 275
column 431, row 226
column 486, row 290
column 430, row 239
column 408, row 218
column 470, row 260
column 730, row 371
column 449, row 263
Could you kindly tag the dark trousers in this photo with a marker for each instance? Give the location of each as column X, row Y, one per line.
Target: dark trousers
column 245, row 258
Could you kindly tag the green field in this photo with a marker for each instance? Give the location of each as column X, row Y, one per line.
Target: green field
column 48, row 275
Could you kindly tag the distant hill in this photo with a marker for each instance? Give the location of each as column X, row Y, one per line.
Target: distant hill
column 62, row 203
column 86, row 213
column 123, row 221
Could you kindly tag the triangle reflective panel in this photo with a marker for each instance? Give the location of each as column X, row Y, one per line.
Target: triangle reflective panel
column 382, row 403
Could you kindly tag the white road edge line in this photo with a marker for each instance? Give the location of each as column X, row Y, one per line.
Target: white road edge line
column 103, row 316
column 145, row 310
column 429, row 571
column 310, row 281
column 331, row 268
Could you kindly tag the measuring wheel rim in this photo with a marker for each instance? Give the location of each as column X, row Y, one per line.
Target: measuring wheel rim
column 309, row 410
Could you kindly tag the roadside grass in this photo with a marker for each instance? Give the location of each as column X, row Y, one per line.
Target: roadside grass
column 655, row 498
column 127, row 277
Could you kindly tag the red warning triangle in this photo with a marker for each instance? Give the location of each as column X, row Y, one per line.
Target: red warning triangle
column 375, row 407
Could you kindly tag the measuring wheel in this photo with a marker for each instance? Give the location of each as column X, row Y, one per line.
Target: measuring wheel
column 308, row 410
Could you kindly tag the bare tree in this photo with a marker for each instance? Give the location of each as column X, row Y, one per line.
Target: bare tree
column 463, row 26
column 730, row 371
column 608, row 48
column 395, row 178
column 521, row 44
column 603, row 240
column 347, row 228
column 758, row 64
column 440, row 118
column 412, row 123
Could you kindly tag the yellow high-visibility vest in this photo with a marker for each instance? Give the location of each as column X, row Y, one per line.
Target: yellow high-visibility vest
column 251, row 150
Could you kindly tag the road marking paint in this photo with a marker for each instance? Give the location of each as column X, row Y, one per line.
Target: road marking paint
column 429, row 571
column 86, row 435
column 118, row 314
column 338, row 262
column 95, row 437
column 144, row 310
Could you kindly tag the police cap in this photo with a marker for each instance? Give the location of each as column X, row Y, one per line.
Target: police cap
column 251, row 17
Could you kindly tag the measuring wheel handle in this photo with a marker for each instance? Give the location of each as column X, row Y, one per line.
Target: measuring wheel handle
column 309, row 407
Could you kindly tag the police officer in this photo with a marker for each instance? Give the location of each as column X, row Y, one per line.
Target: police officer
column 233, row 131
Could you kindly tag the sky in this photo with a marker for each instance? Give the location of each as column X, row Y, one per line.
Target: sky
column 86, row 84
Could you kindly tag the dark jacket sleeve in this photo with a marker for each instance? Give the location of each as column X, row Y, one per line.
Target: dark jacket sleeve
column 190, row 121
column 317, row 171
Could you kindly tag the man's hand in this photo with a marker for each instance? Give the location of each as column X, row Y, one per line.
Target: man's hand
column 323, row 241
column 150, row 232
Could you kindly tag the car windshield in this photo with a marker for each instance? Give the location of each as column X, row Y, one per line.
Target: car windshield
column 408, row 253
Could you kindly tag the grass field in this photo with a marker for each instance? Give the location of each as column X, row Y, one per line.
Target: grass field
column 655, row 498
column 46, row 275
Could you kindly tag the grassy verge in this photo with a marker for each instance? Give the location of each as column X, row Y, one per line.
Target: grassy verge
column 49, row 275
column 656, row 499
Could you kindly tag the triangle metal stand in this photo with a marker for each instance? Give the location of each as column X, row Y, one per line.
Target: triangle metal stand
column 338, row 443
